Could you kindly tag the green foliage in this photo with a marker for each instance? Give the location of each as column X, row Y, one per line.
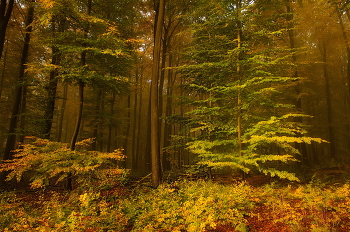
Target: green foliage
column 241, row 89
column 44, row 160
column 182, row 206
column 189, row 206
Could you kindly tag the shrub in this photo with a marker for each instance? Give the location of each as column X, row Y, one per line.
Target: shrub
column 190, row 206
column 45, row 160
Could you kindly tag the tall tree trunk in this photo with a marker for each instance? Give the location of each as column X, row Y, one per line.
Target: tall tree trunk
column 239, row 97
column 290, row 19
column 3, row 73
column 69, row 184
column 168, row 112
column 51, row 94
column 328, row 101
column 110, row 126
column 96, row 120
column 155, row 145
column 134, row 138
column 347, row 45
column 63, row 109
column 11, row 138
column 239, row 94
column 6, row 7
column 127, row 136
column 79, row 114
column 139, row 150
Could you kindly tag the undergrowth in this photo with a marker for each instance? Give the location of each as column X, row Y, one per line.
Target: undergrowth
column 181, row 206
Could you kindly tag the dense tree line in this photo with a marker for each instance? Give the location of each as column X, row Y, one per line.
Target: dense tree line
column 249, row 85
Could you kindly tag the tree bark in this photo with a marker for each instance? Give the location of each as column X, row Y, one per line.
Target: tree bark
column 3, row 73
column 5, row 15
column 11, row 139
column 96, row 121
column 69, row 184
column 328, row 101
column 298, row 104
column 155, row 145
column 110, row 127
column 56, row 26
column 63, row 109
column 239, row 97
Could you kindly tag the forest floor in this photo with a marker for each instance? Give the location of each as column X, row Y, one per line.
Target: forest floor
column 225, row 204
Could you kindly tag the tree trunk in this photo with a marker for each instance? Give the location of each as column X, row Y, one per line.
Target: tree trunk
column 79, row 116
column 290, row 18
column 155, row 146
column 134, row 138
column 139, row 150
column 63, row 109
column 11, row 138
column 127, row 136
column 51, row 94
column 96, row 121
column 168, row 112
column 110, row 127
column 69, row 184
column 328, row 101
column 239, row 97
column 5, row 14
column 3, row 73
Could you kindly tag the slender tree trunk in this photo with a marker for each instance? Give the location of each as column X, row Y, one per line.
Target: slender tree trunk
column 79, row 116
column 346, row 42
column 134, row 138
column 155, row 145
column 168, row 112
column 69, row 184
column 139, row 150
column 147, row 157
column 110, row 126
column 127, row 136
column 63, row 109
column 239, row 97
column 3, row 73
column 328, row 101
column 101, row 119
column 51, row 94
column 6, row 7
column 290, row 19
column 97, row 120
column 11, row 138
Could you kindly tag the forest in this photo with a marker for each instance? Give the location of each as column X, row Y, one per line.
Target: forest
column 175, row 115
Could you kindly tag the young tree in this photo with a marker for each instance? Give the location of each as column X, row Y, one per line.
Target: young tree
column 241, row 119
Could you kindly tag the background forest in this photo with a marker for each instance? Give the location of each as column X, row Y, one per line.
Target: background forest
column 245, row 85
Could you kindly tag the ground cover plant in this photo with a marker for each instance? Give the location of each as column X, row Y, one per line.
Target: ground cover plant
column 181, row 206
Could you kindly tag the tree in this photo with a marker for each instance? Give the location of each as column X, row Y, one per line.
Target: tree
column 11, row 139
column 14, row 125
column 241, row 119
column 155, row 146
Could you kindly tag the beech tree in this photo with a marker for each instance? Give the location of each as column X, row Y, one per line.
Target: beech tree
column 241, row 119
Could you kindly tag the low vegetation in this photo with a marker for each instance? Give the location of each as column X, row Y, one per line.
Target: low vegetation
column 181, row 206
column 106, row 199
